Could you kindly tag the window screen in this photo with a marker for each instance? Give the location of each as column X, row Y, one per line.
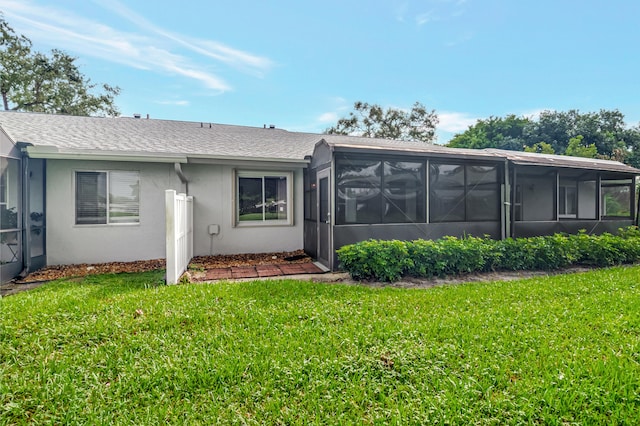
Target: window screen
column 107, row 197
column 263, row 198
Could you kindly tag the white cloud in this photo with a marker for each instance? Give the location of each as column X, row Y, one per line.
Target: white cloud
column 209, row 48
column 328, row 117
column 455, row 122
column 174, row 103
column 170, row 53
column 425, row 18
column 534, row 114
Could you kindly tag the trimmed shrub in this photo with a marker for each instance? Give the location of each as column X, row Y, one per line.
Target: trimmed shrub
column 376, row 259
column 390, row 260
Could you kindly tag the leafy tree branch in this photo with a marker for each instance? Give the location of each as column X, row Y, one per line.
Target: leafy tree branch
column 49, row 83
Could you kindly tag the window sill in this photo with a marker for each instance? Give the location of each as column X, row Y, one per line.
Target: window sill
column 259, row 224
column 104, row 225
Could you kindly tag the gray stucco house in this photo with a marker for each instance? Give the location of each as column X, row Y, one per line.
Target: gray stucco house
column 90, row 190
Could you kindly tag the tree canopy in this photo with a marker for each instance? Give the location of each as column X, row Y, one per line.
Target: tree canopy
column 494, row 132
column 601, row 134
column 371, row 120
column 50, row 83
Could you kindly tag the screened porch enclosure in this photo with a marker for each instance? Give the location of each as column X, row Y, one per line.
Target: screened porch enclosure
column 548, row 200
column 430, row 192
column 22, row 212
column 404, row 197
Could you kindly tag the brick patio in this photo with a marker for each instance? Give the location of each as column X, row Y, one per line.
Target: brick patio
column 260, row 271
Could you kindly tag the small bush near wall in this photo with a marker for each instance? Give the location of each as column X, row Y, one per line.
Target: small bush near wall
column 382, row 260
column 389, row 260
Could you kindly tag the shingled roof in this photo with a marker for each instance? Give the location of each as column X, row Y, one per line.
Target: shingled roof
column 71, row 134
column 64, row 136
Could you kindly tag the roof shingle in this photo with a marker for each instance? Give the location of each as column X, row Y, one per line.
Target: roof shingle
column 64, row 133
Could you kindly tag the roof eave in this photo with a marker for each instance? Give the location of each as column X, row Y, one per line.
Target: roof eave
column 53, row 153
column 227, row 159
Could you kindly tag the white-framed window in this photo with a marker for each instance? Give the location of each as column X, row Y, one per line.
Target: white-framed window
column 567, row 199
column 263, row 198
column 107, row 197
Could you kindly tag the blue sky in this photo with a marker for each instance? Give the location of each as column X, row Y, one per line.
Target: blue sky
column 301, row 65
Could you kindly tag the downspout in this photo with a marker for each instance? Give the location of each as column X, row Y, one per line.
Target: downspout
column 178, row 168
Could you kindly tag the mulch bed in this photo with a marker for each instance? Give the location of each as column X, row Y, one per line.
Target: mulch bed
column 50, row 273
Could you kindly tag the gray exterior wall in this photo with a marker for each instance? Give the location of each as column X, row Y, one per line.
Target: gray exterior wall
column 68, row 243
column 212, row 187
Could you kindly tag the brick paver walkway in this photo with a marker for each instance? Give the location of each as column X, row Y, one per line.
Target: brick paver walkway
column 260, row 271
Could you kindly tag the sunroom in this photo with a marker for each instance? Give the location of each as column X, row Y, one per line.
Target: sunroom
column 356, row 190
column 552, row 194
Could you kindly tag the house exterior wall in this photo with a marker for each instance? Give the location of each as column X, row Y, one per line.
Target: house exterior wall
column 213, row 187
column 68, row 243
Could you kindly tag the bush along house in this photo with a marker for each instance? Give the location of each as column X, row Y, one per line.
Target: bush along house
column 92, row 189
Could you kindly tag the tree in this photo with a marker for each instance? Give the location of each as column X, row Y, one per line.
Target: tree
column 371, row 120
column 494, row 132
column 540, row 148
column 577, row 148
column 14, row 60
column 33, row 81
column 604, row 129
column 563, row 133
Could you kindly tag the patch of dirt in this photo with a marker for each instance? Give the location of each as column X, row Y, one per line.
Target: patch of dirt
column 199, row 264
column 251, row 259
column 55, row 272
column 411, row 282
column 50, row 273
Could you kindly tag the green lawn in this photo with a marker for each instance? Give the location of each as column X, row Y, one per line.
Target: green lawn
column 121, row 349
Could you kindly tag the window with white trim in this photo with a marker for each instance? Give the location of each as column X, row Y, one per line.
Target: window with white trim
column 567, row 199
column 105, row 198
column 264, row 198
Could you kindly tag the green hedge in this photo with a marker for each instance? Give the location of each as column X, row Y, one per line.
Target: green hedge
column 390, row 260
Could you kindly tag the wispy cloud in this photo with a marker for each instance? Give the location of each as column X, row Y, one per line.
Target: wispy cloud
column 425, row 18
column 338, row 108
column 209, row 48
column 174, row 103
column 455, row 121
column 328, row 117
column 432, row 11
column 534, row 114
column 150, row 47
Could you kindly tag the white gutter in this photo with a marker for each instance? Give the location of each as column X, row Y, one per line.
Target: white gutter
column 52, row 153
column 211, row 159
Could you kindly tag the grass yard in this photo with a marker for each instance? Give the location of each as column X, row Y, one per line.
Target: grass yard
column 120, row 349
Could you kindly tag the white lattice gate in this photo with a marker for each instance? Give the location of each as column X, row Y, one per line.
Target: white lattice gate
column 179, row 233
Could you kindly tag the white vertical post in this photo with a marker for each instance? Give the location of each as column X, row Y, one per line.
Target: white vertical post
column 179, row 233
column 170, row 232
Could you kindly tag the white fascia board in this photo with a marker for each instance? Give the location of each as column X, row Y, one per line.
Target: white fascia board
column 53, row 153
column 237, row 160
